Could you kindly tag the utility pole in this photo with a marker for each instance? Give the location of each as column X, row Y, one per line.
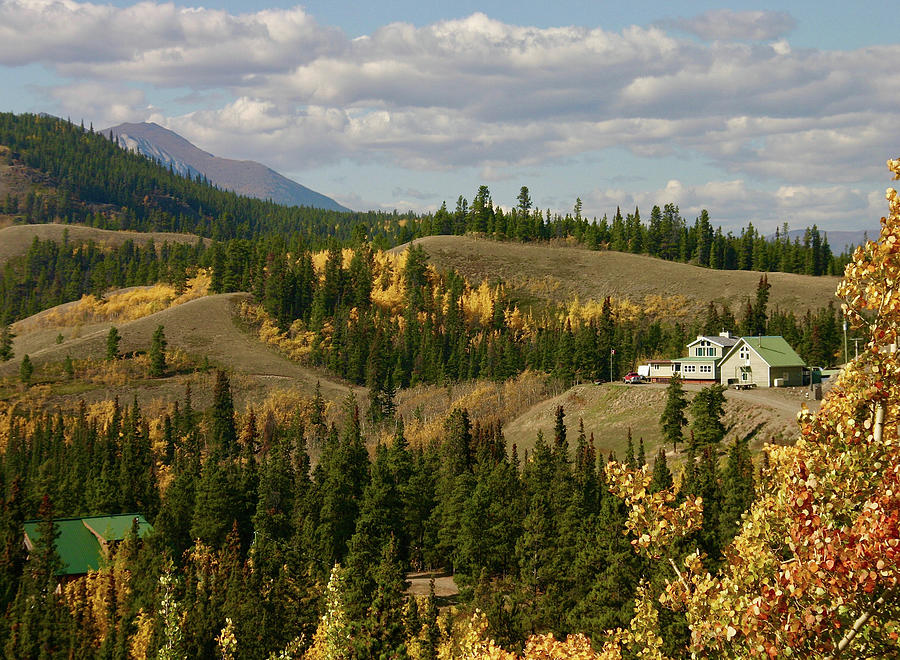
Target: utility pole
column 612, row 354
column 856, row 341
column 845, row 341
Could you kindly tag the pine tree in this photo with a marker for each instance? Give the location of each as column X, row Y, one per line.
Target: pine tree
column 112, row 343
column 662, row 477
column 6, row 343
column 673, row 419
column 385, row 625
column 157, row 353
column 738, row 489
column 707, row 409
column 26, row 369
column 630, row 459
column 224, row 434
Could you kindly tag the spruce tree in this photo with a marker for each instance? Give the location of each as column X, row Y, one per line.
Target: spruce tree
column 112, row 343
column 738, row 489
column 224, row 434
column 673, row 419
column 707, row 409
column 630, row 459
column 662, row 477
column 157, row 353
column 26, row 369
column 559, row 430
column 6, row 343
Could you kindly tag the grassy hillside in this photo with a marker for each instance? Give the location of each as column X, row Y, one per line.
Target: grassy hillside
column 16, row 239
column 609, row 411
column 539, row 273
column 198, row 328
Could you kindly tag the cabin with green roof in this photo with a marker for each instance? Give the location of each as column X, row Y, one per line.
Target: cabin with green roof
column 83, row 543
column 766, row 361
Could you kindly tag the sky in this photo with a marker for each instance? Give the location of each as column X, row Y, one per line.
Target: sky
column 770, row 114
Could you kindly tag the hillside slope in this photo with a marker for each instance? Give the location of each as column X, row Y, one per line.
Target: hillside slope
column 16, row 239
column 245, row 177
column 201, row 327
column 610, row 410
column 540, row 272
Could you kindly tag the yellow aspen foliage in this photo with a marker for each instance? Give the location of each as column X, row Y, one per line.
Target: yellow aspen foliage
column 139, row 642
column 478, row 304
column 815, row 569
column 653, row 518
column 127, row 305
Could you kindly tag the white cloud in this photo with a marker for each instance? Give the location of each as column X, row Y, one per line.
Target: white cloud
column 102, row 104
column 729, row 24
column 476, row 92
column 735, row 203
column 159, row 43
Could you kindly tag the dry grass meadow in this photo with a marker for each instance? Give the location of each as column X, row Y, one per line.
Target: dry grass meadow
column 559, row 273
column 16, row 239
column 203, row 327
column 609, row 410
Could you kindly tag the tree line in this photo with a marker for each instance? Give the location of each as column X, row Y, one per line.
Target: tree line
column 251, row 517
column 98, row 183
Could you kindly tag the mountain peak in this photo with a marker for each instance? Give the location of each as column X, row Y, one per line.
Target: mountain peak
column 245, row 177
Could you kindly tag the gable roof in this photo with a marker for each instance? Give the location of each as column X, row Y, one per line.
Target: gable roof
column 773, row 349
column 81, row 540
column 724, row 342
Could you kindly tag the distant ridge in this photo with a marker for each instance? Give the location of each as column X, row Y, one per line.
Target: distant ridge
column 245, row 177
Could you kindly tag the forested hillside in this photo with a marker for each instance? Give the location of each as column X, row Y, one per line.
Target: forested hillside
column 286, row 527
column 88, row 169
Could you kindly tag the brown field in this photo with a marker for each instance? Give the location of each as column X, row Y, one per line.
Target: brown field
column 540, row 273
column 16, row 240
column 202, row 327
column 608, row 411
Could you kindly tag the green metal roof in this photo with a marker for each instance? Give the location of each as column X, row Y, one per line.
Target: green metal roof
column 116, row 528
column 694, row 358
column 774, row 350
column 78, row 545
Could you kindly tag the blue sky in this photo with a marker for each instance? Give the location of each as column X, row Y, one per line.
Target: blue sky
column 765, row 113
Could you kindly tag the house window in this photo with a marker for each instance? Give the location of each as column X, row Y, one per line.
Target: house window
column 676, row 367
column 744, row 353
column 705, row 368
column 690, row 368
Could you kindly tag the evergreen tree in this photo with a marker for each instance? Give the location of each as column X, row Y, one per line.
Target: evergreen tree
column 760, row 315
column 26, row 369
column 662, row 477
column 12, row 559
column 112, row 343
column 385, row 627
column 38, row 609
column 6, row 343
column 224, row 434
column 707, row 409
column 673, row 419
column 738, row 489
column 157, row 353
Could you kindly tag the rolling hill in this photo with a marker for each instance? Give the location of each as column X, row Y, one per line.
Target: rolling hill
column 245, row 177
column 538, row 273
column 202, row 327
column 16, row 239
